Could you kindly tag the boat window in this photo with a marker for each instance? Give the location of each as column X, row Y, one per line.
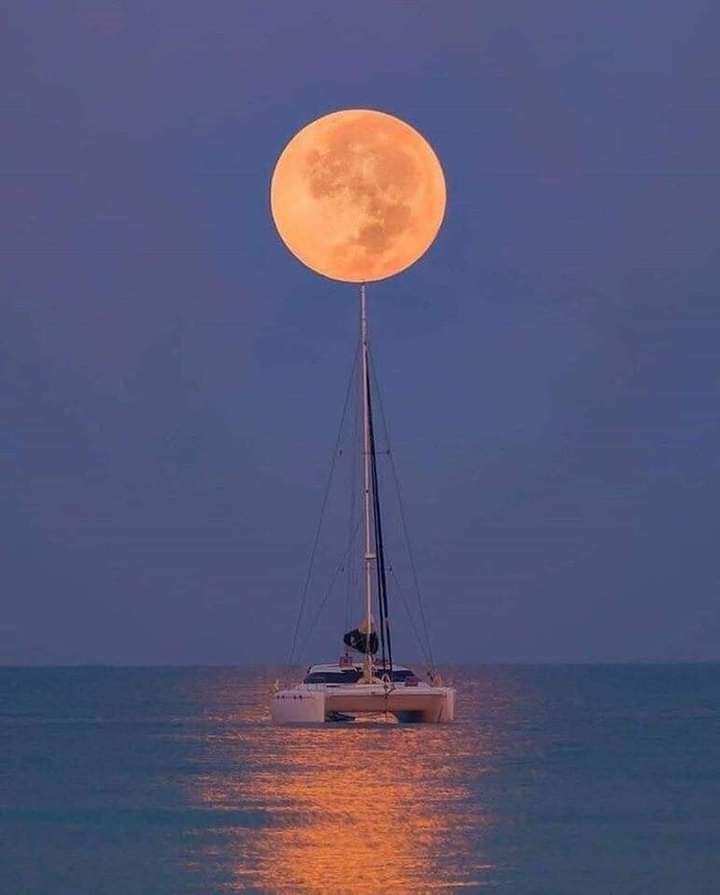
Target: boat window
column 346, row 676
column 398, row 675
column 353, row 675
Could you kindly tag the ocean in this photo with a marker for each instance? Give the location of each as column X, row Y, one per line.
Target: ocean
column 554, row 780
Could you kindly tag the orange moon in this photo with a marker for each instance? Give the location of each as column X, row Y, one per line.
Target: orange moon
column 358, row 195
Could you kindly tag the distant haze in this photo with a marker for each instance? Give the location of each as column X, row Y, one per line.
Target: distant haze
column 171, row 377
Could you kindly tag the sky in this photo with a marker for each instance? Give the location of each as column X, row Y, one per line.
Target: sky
column 171, row 378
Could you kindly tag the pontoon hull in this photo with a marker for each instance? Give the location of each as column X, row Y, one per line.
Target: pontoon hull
column 301, row 705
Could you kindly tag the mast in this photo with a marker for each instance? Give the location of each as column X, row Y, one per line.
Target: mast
column 369, row 554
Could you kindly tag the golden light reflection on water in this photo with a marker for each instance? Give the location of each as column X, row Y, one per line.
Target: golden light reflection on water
column 356, row 808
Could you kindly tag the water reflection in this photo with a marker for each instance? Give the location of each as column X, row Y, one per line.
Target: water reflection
column 349, row 808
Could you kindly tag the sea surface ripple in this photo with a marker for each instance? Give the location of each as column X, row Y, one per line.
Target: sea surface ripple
column 554, row 780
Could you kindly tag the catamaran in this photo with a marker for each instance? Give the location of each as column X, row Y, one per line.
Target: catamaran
column 366, row 679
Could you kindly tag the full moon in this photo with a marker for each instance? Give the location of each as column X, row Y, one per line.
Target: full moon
column 358, row 195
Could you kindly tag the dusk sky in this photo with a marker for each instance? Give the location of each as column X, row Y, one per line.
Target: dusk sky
column 171, row 378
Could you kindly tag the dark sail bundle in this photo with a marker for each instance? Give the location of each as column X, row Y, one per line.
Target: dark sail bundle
column 360, row 641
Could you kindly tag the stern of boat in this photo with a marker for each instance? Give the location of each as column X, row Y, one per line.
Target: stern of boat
column 297, row 706
column 410, row 705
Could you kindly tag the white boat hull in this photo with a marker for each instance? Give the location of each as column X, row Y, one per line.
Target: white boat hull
column 304, row 704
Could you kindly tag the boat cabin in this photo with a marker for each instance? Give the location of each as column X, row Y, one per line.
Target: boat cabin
column 351, row 673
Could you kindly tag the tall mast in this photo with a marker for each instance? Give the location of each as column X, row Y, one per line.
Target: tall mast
column 369, row 554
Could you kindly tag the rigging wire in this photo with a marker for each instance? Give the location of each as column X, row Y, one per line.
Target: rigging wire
column 316, row 541
column 423, row 648
column 403, row 518
column 385, row 640
column 333, row 578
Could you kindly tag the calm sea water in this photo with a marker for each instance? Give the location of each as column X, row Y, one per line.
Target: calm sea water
column 554, row 780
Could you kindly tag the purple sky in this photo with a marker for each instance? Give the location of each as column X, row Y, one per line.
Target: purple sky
column 171, row 378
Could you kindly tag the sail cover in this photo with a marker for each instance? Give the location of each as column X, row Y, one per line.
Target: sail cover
column 362, row 642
